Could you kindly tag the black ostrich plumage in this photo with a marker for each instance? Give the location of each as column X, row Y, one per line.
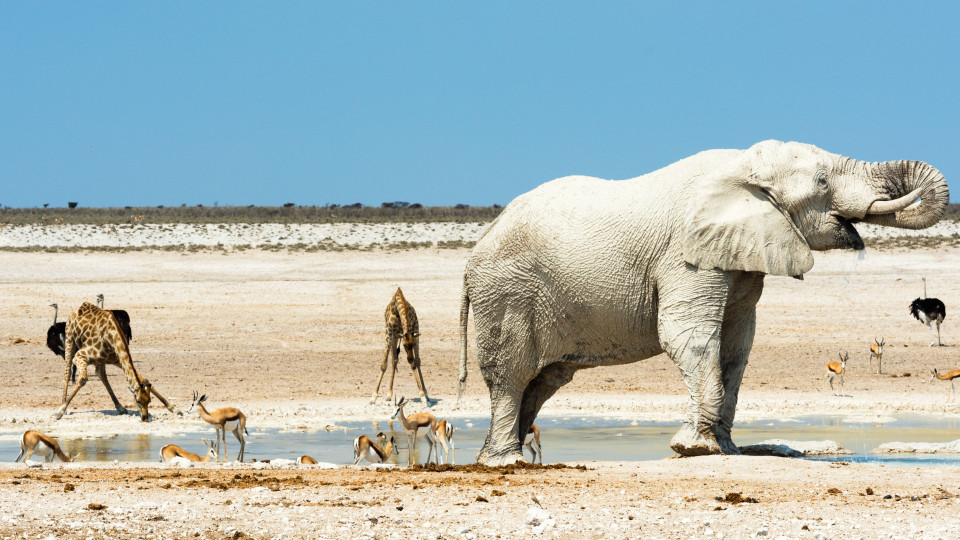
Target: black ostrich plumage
column 933, row 307
column 55, row 338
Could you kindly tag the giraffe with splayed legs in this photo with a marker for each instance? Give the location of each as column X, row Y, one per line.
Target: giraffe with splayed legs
column 93, row 336
column 402, row 327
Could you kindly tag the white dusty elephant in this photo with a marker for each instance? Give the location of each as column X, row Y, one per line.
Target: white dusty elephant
column 584, row 272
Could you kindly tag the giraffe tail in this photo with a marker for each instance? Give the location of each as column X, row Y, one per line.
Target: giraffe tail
column 464, row 315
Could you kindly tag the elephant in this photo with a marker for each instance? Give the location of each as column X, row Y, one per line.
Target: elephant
column 583, row 272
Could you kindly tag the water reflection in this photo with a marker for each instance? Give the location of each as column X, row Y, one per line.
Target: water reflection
column 563, row 439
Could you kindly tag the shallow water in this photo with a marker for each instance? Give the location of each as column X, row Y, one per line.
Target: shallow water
column 562, row 439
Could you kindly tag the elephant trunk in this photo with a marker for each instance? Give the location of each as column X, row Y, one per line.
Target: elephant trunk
column 899, row 185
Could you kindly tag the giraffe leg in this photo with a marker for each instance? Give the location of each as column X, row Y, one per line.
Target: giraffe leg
column 394, row 351
column 81, row 362
column 102, row 373
column 383, row 369
column 418, row 375
column 69, row 350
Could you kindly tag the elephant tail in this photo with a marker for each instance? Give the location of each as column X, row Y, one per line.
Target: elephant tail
column 464, row 315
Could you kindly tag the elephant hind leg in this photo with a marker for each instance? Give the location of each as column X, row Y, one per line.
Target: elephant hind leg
column 502, row 446
column 540, row 389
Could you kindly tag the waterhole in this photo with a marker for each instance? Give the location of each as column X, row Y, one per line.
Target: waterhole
column 562, row 440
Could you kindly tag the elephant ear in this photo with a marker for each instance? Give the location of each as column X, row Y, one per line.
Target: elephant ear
column 734, row 223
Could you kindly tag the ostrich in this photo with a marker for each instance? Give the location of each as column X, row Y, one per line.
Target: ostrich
column 927, row 310
column 57, row 333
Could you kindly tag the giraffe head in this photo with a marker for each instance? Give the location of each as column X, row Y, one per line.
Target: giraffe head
column 411, row 344
column 142, row 396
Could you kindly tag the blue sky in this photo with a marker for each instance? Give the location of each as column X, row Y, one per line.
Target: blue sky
column 136, row 103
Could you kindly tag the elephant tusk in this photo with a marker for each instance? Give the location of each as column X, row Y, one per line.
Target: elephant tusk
column 888, row 207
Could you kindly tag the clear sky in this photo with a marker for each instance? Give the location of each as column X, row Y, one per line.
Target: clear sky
column 149, row 103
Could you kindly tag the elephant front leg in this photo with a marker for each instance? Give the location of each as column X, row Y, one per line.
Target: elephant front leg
column 739, row 327
column 689, row 327
column 735, row 350
column 699, row 363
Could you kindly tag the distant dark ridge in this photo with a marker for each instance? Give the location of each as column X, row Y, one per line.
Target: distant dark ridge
column 252, row 214
column 952, row 212
column 274, row 214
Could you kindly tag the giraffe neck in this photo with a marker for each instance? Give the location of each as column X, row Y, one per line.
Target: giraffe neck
column 400, row 303
column 119, row 341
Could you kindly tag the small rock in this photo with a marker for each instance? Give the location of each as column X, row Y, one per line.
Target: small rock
column 762, row 532
column 463, row 530
column 536, row 516
column 545, row 526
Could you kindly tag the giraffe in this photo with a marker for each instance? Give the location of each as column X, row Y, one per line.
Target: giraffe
column 94, row 336
column 402, row 326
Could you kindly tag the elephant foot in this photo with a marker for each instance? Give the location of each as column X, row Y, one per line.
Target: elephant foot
column 496, row 459
column 507, row 459
column 727, row 446
column 690, row 441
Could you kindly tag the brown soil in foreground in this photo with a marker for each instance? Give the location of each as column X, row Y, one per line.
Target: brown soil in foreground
column 284, row 329
column 732, row 497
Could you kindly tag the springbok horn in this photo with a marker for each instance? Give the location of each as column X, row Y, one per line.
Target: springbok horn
column 896, row 205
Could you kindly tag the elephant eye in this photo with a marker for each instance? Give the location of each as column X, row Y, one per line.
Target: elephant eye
column 822, row 179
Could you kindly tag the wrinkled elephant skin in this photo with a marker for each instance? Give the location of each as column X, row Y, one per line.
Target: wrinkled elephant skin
column 584, row 272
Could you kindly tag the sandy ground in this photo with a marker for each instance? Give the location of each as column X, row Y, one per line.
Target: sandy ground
column 296, row 339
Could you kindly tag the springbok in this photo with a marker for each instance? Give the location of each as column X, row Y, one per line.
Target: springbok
column 365, row 448
column 837, row 370
column 443, row 436
column 306, row 460
column 34, row 442
column 223, row 420
column 412, row 425
column 876, row 351
column 171, row 451
column 948, row 376
column 532, row 441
